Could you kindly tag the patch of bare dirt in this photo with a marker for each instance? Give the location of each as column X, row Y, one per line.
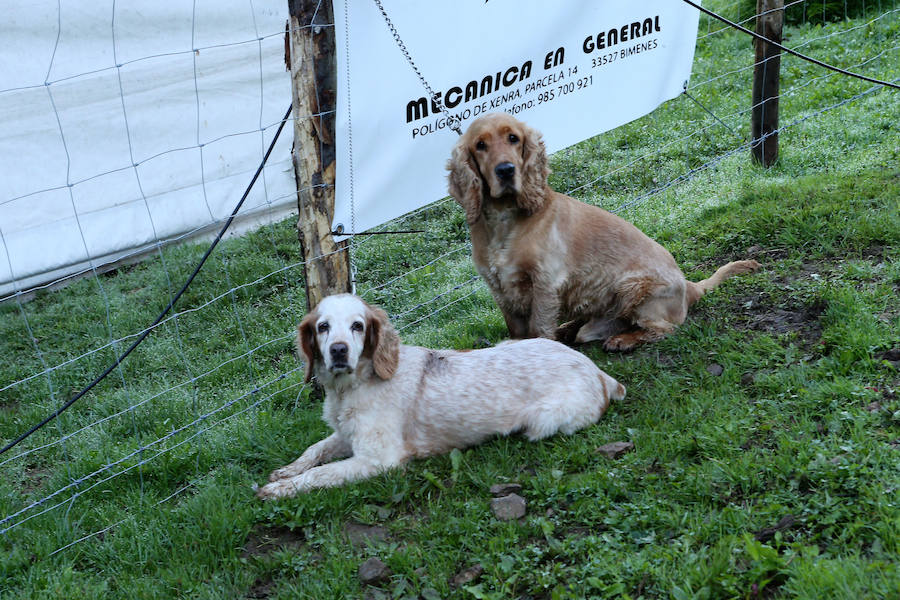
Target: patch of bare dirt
column 782, row 320
column 264, row 540
column 35, row 478
column 757, row 313
column 875, row 253
column 261, row 588
column 892, row 356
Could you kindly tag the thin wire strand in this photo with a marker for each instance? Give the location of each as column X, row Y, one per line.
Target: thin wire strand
column 696, row 85
column 158, row 319
column 183, row 312
column 118, row 259
column 745, row 146
column 148, row 57
column 147, row 400
column 789, row 50
column 140, row 450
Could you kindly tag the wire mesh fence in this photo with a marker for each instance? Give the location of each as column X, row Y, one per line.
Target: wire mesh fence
column 200, row 395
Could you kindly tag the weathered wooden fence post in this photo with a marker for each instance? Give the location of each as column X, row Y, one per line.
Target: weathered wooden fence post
column 766, row 76
column 313, row 75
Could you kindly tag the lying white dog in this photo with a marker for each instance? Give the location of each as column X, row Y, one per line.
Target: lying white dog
column 388, row 402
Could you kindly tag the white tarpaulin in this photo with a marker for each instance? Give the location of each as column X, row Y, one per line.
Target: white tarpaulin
column 570, row 68
column 124, row 123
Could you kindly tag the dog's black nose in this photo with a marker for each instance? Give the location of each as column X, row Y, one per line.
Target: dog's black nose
column 505, row 171
column 339, row 351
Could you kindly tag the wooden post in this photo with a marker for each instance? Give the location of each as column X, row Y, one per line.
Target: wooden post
column 313, row 66
column 766, row 76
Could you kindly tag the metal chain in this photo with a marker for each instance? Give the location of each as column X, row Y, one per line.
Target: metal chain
column 453, row 122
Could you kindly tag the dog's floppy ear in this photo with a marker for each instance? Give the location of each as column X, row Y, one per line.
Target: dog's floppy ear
column 383, row 342
column 535, row 171
column 306, row 342
column 464, row 181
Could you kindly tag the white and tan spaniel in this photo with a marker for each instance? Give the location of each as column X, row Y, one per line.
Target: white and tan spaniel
column 389, row 402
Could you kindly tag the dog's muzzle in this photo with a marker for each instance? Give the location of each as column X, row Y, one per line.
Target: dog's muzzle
column 339, row 352
column 505, row 172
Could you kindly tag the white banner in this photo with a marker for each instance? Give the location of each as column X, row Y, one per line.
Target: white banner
column 570, row 68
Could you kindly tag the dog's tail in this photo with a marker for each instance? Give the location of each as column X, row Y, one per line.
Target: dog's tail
column 696, row 290
column 614, row 390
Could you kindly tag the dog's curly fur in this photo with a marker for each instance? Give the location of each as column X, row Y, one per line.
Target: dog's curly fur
column 548, row 257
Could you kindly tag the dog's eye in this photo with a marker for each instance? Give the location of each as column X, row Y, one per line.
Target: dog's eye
column 357, row 326
column 324, row 326
column 513, row 138
column 480, row 145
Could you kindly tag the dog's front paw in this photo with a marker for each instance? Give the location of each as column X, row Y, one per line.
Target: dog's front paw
column 270, row 491
column 567, row 332
column 623, row 342
column 282, row 473
column 751, row 265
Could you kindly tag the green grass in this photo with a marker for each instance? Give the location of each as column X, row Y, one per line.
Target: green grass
column 803, row 421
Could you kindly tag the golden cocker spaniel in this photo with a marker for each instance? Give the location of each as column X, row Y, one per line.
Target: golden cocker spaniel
column 548, row 257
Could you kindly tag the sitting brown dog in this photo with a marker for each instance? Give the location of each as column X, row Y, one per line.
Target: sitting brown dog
column 548, row 257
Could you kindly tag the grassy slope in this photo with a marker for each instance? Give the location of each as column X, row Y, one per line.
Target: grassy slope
column 788, row 428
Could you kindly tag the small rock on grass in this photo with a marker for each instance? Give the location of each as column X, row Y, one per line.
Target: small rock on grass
column 373, row 571
column 508, row 507
column 505, row 489
column 615, row 449
column 467, row 575
column 715, row 369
